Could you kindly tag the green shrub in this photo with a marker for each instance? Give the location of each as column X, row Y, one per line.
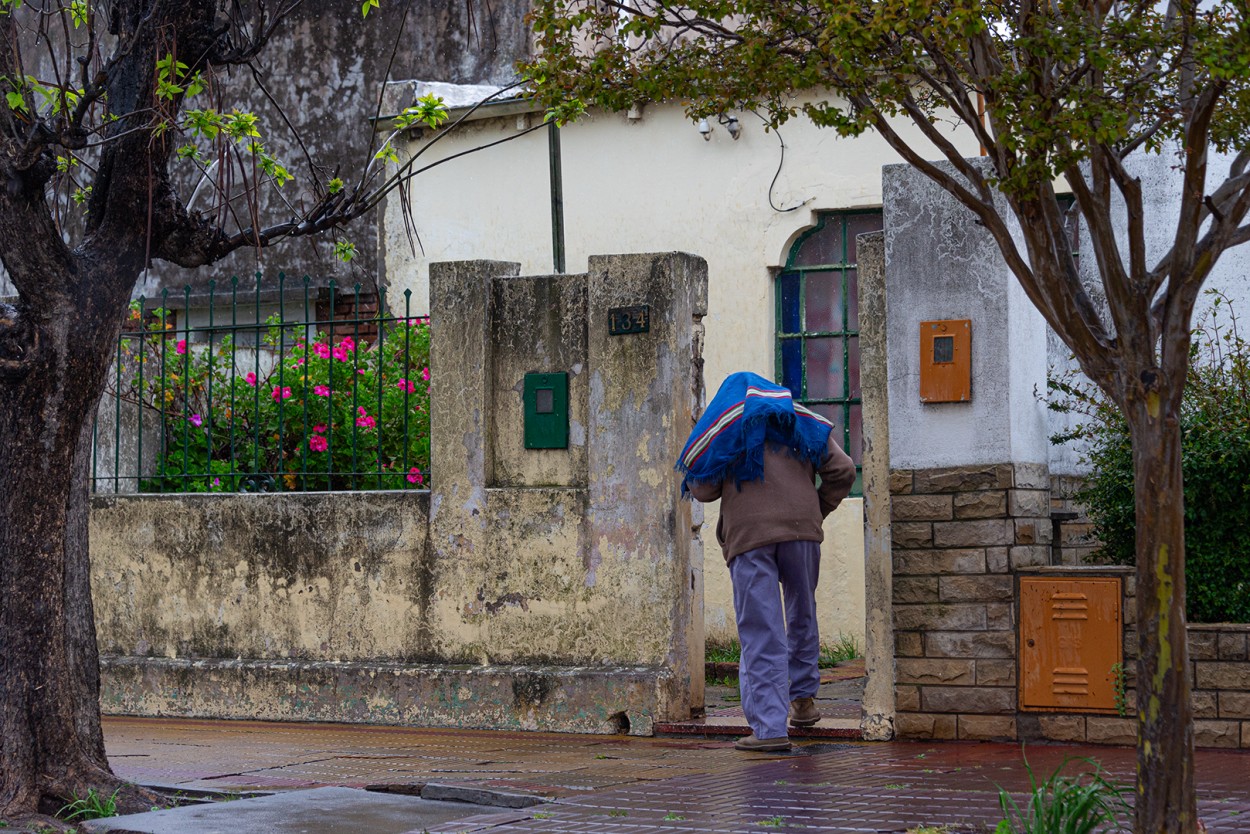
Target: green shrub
column 292, row 414
column 1215, row 423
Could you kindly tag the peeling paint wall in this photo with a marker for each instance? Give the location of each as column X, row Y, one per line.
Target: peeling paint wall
column 321, row 73
column 555, row 589
column 324, row 69
column 314, row 577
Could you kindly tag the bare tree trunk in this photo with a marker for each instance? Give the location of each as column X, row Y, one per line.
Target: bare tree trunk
column 51, row 744
column 1165, row 748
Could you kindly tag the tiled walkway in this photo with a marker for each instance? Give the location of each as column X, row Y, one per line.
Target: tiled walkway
column 253, row 755
column 868, row 788
column 618, row 785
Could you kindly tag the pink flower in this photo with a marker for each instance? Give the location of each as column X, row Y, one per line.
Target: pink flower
column 406, row 385
column 299, row 361
column 321, row 390
column 322, row 350
column 364, row 421
column 425, row 374
column 348, row 343
column 216, row 481
column 196, row 420
column 181, row 347
column 318, row 443
column 320, row 428
column 360, row 371
column 340, row 353
column 281, row 393
column 250, row 379
column 415, row 476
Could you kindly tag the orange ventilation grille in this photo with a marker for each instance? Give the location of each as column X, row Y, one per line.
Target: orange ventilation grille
column 1071, row 642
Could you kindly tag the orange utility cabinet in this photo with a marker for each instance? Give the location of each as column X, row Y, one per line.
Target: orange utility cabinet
column 1071, row 643
column 946, row 361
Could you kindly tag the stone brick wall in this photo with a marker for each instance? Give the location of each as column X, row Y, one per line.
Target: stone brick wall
column 961, row 535
column 1073, row 533
column 1220, row 658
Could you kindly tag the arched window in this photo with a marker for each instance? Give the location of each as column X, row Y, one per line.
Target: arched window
column 818, row 323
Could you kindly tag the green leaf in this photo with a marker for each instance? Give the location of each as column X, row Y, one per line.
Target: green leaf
column 241, row 125
column 344, row 250
column 388, row 153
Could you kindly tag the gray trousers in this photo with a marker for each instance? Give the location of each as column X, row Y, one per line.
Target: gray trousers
column 780, row 647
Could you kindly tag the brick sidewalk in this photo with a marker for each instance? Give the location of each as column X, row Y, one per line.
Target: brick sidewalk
column 620, row 785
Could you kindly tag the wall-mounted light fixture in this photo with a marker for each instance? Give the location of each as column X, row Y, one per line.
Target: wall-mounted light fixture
column 733, row 126
column 705, row 130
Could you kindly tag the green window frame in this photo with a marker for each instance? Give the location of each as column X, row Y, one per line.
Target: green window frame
column 817, row 324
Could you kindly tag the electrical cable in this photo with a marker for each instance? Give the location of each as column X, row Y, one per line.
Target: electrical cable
column 780, row 163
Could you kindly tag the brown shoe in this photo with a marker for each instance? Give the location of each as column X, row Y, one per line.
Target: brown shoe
column 803, row 712
column 762, row 745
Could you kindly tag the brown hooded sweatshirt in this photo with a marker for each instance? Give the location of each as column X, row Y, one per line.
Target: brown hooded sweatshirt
column 783, row 506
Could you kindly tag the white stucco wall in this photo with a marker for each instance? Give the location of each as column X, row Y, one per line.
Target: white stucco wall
column 647, row 185
column 940, row 264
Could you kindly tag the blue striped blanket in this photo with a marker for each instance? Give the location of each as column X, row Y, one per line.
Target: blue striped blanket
column 747, row 414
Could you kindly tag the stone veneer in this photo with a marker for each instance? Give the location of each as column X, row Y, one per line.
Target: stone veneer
column 959, row 533
column 1073, row 531
column 961, row 537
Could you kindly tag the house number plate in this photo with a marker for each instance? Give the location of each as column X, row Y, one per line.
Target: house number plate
column 625, row 320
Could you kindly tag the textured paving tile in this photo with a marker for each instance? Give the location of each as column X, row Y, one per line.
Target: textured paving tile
column 872, row 788
column 619, row 785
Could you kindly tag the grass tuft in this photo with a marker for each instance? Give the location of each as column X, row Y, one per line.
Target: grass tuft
column 93, row 806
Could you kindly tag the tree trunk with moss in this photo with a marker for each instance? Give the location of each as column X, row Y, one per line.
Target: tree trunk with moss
column 1165, row 800
column 50, row 736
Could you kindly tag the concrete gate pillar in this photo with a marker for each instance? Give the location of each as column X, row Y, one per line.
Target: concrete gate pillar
column 571, row 576
column 969, row 480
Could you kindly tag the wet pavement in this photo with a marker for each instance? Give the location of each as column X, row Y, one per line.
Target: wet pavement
column 320, row 810
column 626, row 785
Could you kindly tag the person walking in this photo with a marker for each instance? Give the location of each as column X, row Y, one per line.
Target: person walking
column 759, row 453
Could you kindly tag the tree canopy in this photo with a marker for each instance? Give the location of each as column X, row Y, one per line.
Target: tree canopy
column 1049, row 89
column 1062, row 92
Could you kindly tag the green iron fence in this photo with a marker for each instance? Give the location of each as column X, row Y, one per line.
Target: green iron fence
column 315, row 389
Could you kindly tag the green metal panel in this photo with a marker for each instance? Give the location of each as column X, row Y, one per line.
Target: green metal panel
column 547, row 411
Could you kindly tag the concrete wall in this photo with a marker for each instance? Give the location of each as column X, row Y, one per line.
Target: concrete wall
column 653, row 184
column 309, row 577
column 941, row 265
column 537, row 589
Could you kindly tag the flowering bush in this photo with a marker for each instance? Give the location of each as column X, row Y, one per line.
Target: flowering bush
column 293, row 414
